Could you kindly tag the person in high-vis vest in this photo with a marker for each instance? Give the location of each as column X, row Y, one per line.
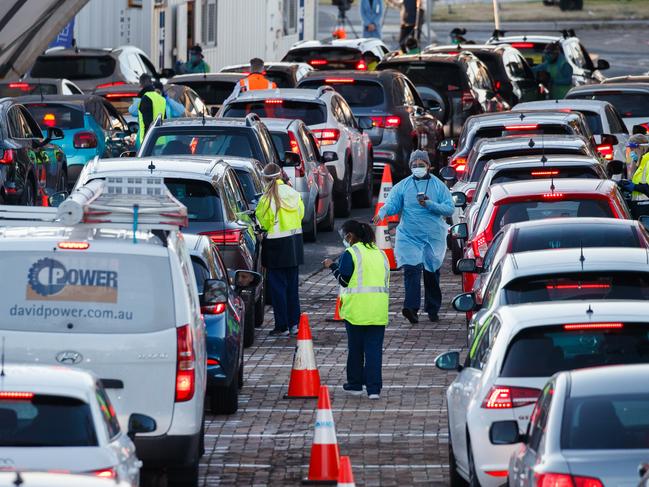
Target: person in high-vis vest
column 638, row 155
column 279, row 212
column 363, row 272
column 152, row 104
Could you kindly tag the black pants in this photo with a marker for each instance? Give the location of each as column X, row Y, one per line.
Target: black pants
column 432, row 291
column 409, row 31
column 283, row 283
column 364, row 357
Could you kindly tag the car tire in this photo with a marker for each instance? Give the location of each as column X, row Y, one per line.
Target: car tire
column 327, row 225
column 364, row 197
column 260, row 310
column 311, row 231
column 240, row 375
column 455, row 478
column 473, row 476
column 343, row 199
column 225, row 400
column 456, row 254
column 183, row 476
column 28, row 197
column 249, row 324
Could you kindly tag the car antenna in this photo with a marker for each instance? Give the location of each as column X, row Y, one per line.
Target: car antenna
column 151, row 167
column 18, row 481
column 74, row 44
column 582, row 259
column 590, row 310
column 2, row 359
column 40, row 90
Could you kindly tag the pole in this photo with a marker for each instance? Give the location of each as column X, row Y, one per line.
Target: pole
column 496, row 15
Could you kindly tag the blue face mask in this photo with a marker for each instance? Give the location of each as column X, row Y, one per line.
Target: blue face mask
column 634, row 156
column 419, row 172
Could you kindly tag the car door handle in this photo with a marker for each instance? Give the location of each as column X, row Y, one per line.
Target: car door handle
column 112, row 383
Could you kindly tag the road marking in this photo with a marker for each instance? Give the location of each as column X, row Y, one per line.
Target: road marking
column 282, row 366
column 356, row 466
column 336, row 386
column 339, row 434
column 310, row 410
column 344, row 349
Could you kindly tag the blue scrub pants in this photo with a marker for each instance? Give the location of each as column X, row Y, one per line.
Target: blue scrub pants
column 432, row 291
column 283, row 283
column 364, row 357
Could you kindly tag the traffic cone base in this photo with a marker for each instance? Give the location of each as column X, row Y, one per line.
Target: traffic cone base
column 345, row 474
column 325, row 456
column 304, row 382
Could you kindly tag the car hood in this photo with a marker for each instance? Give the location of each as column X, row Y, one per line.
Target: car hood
column 26, row 29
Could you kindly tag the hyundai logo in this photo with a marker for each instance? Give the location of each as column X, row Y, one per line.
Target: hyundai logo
column 69, row 358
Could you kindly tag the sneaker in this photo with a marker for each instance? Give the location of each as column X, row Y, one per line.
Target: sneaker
column 350, row 390
column 433, row 317
column 374, row 397
column 411, row 315
column 278, row 333
column 294, row 330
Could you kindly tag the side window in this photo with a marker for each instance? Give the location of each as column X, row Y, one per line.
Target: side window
column 539, row 418
column 107, row 412
column 514, row 65
column 73, row 89
column 219, row 266
column 99, row 113
column 135, row 64
column 229, row 200
column 201, row 273
column 350, row 120
column 314, row 146
column 483, row 77
column 413, row 91
column 239, row 200
column 114, row 119
column 616, row 125
column 32, row 130
column 492, row 288
column 336, row 111
column 397, row 92
column 483, row 208
column 310, row 155
column 267, row 146
column 148, row 66
column 492, row 251
column 15, row 125
column 408, row 96
column 483, row 343
column 575, row 54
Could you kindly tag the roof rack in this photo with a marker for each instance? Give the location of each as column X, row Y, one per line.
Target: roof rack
column 498, row 33
column 251, row 118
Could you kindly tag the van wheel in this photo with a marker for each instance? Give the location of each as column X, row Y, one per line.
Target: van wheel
column 343, row 199
column 225, row 400
column 183, row 476
column 249, row 324
column 364, row 197
column 327, row 225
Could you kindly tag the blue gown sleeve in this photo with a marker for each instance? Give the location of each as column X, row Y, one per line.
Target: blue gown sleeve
column 394, row 203
column 444, row 205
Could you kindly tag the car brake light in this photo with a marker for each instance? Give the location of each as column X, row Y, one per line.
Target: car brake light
column 7, row 156
column 606, row 150
column 105, row 473
column 392, row 121
column 274, row 101
column 565, row 480
column 467, row 100
column 84, row 140
column 544, row 174
column 340, row 80
column 108, row 85
column 185, row 373
column 16, row 396
column 497, row 473
column 593, row 326
column 577, row 286
column 522, row 45
column 225, row 237
column 552, row 196
column 327, row 136
column 361, row 66
column 49, row 120
column 20, row 86
column 216, row 309
column 529, row 126
column 318, row 62
column 213, row 361
column 497, row 85
column 480, row 245
column 73, row 245
column 507, row 397
column 299, row 170
column 458, row 163
column 121, row 95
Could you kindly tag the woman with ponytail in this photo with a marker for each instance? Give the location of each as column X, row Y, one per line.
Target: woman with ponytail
column 363, row 272
column 279, row 212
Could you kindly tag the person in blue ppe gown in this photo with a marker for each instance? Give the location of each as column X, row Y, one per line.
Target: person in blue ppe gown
column 372, row 17
column 424, row 202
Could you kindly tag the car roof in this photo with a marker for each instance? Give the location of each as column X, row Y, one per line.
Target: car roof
column 571, row 221
column 281, row 65
column 611, row 380
column 352, row 43
column 386, row 74
column 422, row 58
column 535, row 160
column 514, row 118
column 521, row 141
column 464, row 47
column 640, row 78
column 538, row 187
column 35, row 81
column 234, row 77
column 126, row 87
column 283, row 93
column 526, row 38
column 199, row 122
column 48, row 379
column 572, row 103
column 611, row 87
column 51, row 479
column 79, row 51
column 280, row 123
column 67, row 99
column 203, row 167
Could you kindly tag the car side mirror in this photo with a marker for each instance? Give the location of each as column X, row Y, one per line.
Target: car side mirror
column 167, row 73
column 215, row 295
column 615, row 167
column 55, row 200
column 464, row 303
column 133, row 127
column 365, row 123
column 53, row 133
column 246, row 279
column 505, row 433
column 448, row 361
column 140, row 423
column 448, row 173
column 446, row 146
column 291, row 159
column 468, row 265
column 644, row 221
column 459, row 198
column 329, row 156
column 459, row 231
column 603, row 64
column 609, row 139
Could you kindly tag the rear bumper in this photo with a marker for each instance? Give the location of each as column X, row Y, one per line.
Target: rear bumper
column 168, row 451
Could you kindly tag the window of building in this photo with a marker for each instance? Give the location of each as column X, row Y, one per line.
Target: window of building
column 290, row 16
column 209, row 19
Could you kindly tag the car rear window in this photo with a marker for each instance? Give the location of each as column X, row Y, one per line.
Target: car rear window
column 569, row 346
column 442, row 77
column 46, row 421
column 629, row 104
column 522, row 129
column 211, row 92
column 325, row 57
column 311, row 113
column 73, row 67
column 11, row 90
column 56, row 115
column 86, row 291
column 583, row 285
column 522, row 211
column 531, row 51
column 507, row 175
column 568, row 237
column 605, row 422
column 201, row 199
column 358, row 93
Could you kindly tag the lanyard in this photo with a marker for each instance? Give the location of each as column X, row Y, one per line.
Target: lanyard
column 417, row 188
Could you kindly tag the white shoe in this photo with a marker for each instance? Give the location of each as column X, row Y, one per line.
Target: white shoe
column 374, row 397
column 294, row 330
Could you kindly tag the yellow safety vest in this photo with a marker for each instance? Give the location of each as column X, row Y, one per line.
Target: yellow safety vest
column 285, row 221
column 365, row 300
column 640, row 176
column 159, row 108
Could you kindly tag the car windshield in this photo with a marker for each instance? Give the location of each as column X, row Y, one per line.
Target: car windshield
column 606, row 422
column 443, row 77
column 541, row 237
column 10, row 90
column 311, row 113
column 629, row 104
column 574, row 346
column 357, row 93
column 56, row 115
column 522, row 211
column 325, row 57
column 215, row 141
column 594, row 121
column 201, row 199
column 582, row 285
column 522, row 174
column 46, row 421
column 73, row 67
column 211, row 92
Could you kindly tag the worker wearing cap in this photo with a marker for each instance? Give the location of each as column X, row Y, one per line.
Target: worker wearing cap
column 279, row 212
column 254, row 81
column 152, row 105
column 557, row 72
column 196, row 63
column 638, row 167
column 423, row 201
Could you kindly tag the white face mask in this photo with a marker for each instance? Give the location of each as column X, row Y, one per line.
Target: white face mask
column 346, row 243
column 419, row 172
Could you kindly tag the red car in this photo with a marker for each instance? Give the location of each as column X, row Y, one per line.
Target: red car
column 536, row 200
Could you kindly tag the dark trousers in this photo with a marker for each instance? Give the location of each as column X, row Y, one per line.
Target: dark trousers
column 364, row 357
column 412, row 283
column 283, row 284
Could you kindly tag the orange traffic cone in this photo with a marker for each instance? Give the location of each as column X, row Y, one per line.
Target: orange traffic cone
column 337, row 311
column 305, row 378
column 345, row 475
column 384, row 242
column 386, row 187
column 325, row 456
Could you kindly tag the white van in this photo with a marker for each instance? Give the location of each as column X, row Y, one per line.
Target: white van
column 98, row 295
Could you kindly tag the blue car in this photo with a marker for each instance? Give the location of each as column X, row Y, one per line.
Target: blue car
column 223, row 311
column 91, row 127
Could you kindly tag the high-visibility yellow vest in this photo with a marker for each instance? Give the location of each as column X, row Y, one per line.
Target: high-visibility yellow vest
column 640, row 176
column 365, row 300
column 285, row 221
column 159, row 108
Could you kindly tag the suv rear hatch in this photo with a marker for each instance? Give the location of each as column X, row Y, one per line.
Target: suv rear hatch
column 326, row 57
column 212, row 92
column 79, row 67
column 310, row 112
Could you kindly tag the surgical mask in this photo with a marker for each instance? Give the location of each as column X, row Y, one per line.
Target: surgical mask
column 346, row 243
column 195, row 58
column 634, row 156
column 419, row 172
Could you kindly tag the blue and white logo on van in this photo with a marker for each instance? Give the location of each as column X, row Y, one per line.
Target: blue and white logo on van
column 50, row 280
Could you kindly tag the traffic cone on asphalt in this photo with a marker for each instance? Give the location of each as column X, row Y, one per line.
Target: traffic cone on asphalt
column 345, row 474
column 305, row 378
column 337, row 310
column 386, row 187
column 384, row 242
column 325, row 456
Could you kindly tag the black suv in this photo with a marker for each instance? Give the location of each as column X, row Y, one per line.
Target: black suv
column 401, row 120
column 461, row 79
column 240, row 137
column 31, row 168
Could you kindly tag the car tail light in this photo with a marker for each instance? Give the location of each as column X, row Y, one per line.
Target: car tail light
column 470, row 194
column 16, row 396
column 105, row 473
column 318, row 62
column 552, row 196
column 225, row 237
column 458, row 163
column 73, row 245
column 213, row 361
column 593, row 326
column 497, row 85
column 216, row 309
column 327, row 136
column 84, row 140
column 565, row 480
column 507, row 397
column 497, row 473
column 528, row 126
column 522, row 45
column 7, row 156
column 361, row 66
column 299, row 170
column 121, row 95
column 606, row 150
column 20, row 86
column 274, row 101
column 49, row 120
column 389, row 121
column 340, row 80
column 545, row 173
column 560, row 287
column 108, row 85
column 185, row 361
column 480, row 245
column 467, row 100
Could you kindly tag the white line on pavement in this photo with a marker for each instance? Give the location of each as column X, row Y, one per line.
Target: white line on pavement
column 253, row 465
column 339, row 434
column 281, row 366
column 344, row 349
column 429, row 386
column 335, row 410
